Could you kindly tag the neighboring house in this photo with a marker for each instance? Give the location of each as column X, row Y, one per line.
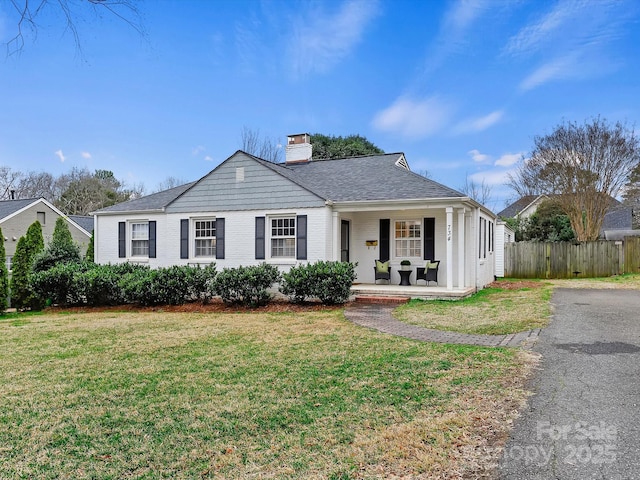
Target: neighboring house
column 17, row 215
column 618, row 217
column 504, row 234
column 249, row 211
column 524, row 207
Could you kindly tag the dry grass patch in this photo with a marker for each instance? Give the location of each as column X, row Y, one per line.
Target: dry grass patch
column 297, row 395
column 619, row 282
column 504, row 308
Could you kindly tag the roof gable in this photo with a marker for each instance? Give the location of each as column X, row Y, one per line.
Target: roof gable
column 244, row 182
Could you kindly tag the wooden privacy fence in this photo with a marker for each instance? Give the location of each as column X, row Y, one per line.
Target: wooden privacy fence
column 601, row 258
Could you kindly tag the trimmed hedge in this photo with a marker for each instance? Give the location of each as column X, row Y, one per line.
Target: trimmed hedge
column 87, row 283
column 246, row 285
column 330, row 282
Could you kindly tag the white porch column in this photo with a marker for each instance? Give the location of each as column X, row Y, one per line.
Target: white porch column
column 449, row 248
column 336, row 237
column 461, row 249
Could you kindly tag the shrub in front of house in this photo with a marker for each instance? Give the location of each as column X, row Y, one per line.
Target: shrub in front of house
column 167, row 286
column 330, row 282
column 246, row 285
column 61, row 284
column 297, row 283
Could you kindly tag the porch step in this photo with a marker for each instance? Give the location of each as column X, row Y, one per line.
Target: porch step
column 381, row 299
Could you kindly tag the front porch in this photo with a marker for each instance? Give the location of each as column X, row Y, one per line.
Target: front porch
column 411, row 291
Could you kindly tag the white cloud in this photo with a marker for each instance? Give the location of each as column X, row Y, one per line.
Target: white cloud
column 490, row 177
column 532, row 36
column 557, row 69
column 208, row 158
column 508, row 159
column 197, row 150
column 575, row 38
column 60, row 155
column 413, row 118
column 474, row 125
column 478, row 157
column 86, row 155
column 320, row 41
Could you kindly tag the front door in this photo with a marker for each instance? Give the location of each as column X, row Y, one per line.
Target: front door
column 344, row 241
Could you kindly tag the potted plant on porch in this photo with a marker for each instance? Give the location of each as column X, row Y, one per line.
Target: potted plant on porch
column 405, row 265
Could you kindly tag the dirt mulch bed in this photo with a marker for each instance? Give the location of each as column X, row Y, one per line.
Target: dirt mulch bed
column 214, row 306
column 516, row 285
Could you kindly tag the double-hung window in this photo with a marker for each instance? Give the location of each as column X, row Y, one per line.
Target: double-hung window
column 205, row 238
column 283, row 237
column 408, row 238
column 140, row 239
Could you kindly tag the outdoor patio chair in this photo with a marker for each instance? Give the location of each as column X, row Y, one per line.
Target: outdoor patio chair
column 428, row 273
column 382, row 271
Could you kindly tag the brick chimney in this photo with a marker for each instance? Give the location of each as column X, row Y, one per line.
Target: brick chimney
column 298, row 149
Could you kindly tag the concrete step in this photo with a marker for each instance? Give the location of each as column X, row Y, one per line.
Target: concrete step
column 381, row 299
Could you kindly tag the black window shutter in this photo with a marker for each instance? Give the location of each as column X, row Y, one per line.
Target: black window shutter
column 260, row 237
column 122, row 239
column 184, row 238
column 429, row 239
column 301, row 237
column 152, row 239
column 385, row 225
column 219, row 237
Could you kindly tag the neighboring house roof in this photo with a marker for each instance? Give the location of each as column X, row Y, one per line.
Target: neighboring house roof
column 618, row 217
column 518, row 206
column 84, row 221
column 9, row 207
column 155, row 201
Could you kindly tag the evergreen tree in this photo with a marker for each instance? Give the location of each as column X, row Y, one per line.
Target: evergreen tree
column 4, row 276
column 62, row 248
column 28, row 247
column 89, row 255
column 329, row 146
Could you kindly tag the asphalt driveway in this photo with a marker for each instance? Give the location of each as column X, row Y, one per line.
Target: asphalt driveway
column 583, row 421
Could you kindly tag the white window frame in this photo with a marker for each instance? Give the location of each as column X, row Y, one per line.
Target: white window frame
column 283, row 233
column 210, row 238
column 9, row 262
column 134, row 237
column 406, row 251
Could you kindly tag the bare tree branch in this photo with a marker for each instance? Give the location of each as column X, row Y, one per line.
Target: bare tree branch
column 28, row 17
column 265, row 148
column 584, row 167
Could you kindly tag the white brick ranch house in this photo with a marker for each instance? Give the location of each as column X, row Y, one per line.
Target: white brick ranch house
column 361, row 209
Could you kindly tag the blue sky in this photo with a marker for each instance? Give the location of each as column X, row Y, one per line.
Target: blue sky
column 461, row 87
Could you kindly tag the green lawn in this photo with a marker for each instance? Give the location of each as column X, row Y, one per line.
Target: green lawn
column 256, row 395
column 510, row 308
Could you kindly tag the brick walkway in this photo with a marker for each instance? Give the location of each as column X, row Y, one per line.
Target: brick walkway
column 378, row 317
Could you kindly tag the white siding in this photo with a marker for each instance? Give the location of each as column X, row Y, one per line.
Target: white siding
column 239, row 238
column 504, row 235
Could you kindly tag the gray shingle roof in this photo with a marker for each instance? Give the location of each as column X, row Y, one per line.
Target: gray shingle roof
column 84, row 221
column 618, row 217
column 155, row 201
column 8, row 207
column 516, row 207
column 367, row 178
